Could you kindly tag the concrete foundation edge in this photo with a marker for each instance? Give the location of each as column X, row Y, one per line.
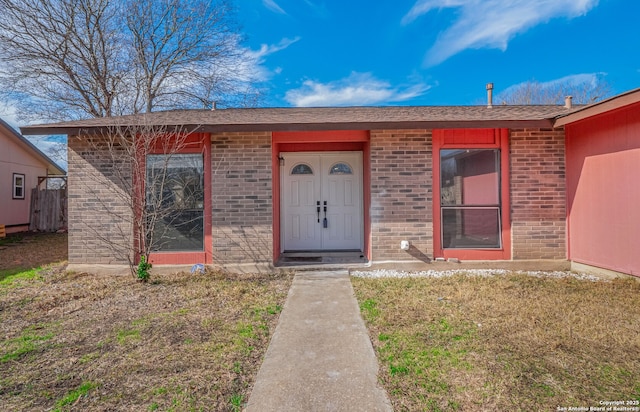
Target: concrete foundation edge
column 532, row 265
column 525, row 265
column 119, row 269
column 601, row 272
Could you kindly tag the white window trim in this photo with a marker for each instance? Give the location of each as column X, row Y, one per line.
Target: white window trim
column 15, row 185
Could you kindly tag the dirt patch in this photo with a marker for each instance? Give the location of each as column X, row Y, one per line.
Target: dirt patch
column 78, row 341
column 31, row 250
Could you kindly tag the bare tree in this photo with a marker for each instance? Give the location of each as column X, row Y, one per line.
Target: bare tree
column 533, row 92
column 69, row 59
column 155, row 196
column 178, row 45
column 61, row 57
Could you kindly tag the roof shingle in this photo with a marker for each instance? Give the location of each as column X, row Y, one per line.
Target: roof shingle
column 321, row 118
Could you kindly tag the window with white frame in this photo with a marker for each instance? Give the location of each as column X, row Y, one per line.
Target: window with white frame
column 18, row 186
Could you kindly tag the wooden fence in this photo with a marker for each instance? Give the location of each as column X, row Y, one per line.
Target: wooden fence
column 48, row 210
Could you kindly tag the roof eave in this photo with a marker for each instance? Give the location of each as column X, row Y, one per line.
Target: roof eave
column 75, row 131
column 277, row 127
column 613, row 103
column 465, row 124
column 50, row 164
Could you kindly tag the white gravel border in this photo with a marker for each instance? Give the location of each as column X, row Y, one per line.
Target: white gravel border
column 386, row 273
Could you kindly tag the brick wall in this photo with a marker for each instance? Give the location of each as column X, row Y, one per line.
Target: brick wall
column 100, row 228
column 401, row 194
column 100, row 218
column 242, row 197
column 538, row 205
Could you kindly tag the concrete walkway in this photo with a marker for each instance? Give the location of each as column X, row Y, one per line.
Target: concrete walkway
column 320, row 357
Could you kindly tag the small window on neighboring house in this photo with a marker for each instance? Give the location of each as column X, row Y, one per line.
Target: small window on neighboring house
column 18, row 186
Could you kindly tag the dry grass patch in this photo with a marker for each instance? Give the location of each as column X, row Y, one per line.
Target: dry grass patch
column 77, row 341
column 512, row 342
column 29, row 250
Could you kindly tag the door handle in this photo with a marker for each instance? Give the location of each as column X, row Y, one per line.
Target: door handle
column 318, row 210
column 325, row 223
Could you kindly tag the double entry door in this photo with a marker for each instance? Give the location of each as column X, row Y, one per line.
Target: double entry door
column 322, row 201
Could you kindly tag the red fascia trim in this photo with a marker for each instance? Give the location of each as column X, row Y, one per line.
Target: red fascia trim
column 138, row 181
column 500, row 141
column 178, row 258
column 275, row 187
column 321, row 136
column 366, row 194
column 568, row 184
column 190, row 144
column 208, row 200
column 196, row 143
column 320, row 147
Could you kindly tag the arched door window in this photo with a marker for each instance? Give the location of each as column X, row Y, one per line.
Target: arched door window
column 301, row 169
column 340, row 169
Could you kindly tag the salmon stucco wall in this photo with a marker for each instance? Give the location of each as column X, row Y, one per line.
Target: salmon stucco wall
column 242, row 217
column 15, row 159
column 401, row 194
column 538, row 203
column 603, row 167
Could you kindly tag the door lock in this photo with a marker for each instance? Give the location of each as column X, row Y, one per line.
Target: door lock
column 325, row 223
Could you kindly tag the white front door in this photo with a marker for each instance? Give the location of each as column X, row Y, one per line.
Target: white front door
column 322, row 201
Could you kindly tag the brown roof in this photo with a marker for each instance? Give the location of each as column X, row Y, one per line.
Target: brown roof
column 612, row 103
column 322, row 118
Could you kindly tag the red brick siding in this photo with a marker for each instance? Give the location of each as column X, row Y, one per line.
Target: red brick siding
column 242, row 197
column 538, row 205
column 100, row 215
column 401, row 194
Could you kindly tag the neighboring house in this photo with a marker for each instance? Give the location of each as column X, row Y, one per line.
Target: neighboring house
column 603, row 183
column 21, row 163
column 461, row 182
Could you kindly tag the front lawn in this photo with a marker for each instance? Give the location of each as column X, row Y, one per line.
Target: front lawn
column 509, row 342
column 78, row 341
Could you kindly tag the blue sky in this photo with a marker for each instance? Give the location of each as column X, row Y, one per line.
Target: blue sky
column 428, row 52
column 435, row 52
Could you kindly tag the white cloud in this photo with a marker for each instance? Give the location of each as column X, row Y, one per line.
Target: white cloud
column 254, row 66
column 583, row 87
column 491, row 23
column 56, row 150
column 587, row 80
column 273, row 6
column 357, row 89
column 319, row 10
column 9, row 115
column 267, row 49
column 53, row 146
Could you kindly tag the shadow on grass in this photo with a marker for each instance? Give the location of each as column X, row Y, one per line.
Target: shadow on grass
column 29, row 251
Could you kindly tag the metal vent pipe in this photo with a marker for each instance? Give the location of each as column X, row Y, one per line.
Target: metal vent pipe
column 489, row 95
column 567, row 102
